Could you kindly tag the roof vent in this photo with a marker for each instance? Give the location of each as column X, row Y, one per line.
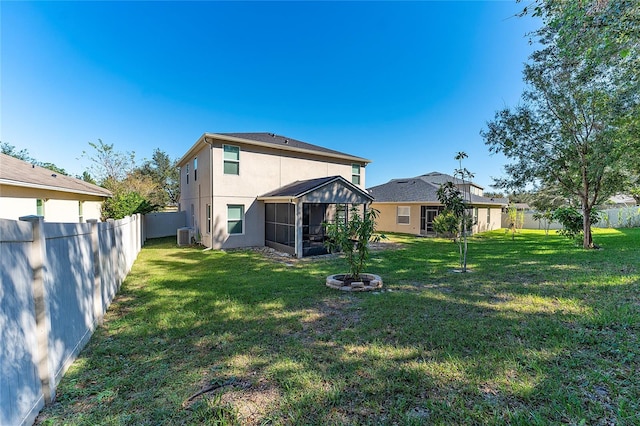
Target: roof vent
column 286, row 141
column 54, row 175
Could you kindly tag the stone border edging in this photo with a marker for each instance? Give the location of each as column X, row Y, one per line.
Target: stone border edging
column 375, row 283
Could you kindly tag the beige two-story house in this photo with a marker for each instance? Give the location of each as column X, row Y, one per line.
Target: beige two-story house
column 262, row 189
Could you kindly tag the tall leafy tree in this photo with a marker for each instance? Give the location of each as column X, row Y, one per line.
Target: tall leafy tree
column 109, row 167
column 164, row 173
column 576, row 123
column 116, row 171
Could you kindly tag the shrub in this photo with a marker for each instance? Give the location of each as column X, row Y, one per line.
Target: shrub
column 352, row 237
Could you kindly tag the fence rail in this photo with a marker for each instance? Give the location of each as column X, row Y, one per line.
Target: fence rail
column 57, row 281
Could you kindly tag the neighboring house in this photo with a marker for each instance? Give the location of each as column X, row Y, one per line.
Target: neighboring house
column 26, row 189
column 410, row 205
column 622, row 200
column 257, row 189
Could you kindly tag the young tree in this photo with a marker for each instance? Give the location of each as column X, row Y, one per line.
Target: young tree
column 457, row 203
column 352, row 237
column 578, row 114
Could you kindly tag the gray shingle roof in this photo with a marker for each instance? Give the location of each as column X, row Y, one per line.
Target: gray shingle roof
column 284, row 141
column 421, row 189
column 438, row 179
column 15, row 172
column 405, row 190
column 302, row 187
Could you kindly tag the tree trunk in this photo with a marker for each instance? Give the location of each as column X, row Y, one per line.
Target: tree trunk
column 587, row 241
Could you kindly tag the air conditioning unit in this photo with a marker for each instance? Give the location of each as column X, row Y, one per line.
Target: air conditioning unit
column 184, row 236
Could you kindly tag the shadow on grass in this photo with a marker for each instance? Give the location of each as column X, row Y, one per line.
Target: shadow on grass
column 540, row 332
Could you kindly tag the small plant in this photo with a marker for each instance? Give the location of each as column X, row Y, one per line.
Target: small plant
column 352, row 237
column 544, row 219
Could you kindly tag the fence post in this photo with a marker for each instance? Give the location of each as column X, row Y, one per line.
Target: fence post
column 97, row 273
column 43, row 321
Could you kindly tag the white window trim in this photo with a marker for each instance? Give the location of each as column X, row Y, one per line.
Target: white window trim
column 398, row 215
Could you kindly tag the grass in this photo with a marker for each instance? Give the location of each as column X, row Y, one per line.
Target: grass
column 541, row 332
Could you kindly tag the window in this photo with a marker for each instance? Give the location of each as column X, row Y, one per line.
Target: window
column 187, row 172
column 404, row 215
column 488, row 218
column 40, row 207
column 235, row 216
column 195, row 169
column 80, row 215
column 231, row 160
column 208, row 218
column 355, row 174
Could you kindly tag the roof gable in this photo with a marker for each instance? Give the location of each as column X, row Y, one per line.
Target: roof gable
column 301, row 188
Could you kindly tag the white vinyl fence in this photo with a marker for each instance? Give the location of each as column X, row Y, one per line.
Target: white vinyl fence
column 57, row 281
column 623, row 217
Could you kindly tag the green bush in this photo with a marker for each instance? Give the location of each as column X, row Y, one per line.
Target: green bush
column 125, row 204
column 572, row 221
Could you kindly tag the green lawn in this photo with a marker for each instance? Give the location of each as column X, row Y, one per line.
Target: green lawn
column 541, row 332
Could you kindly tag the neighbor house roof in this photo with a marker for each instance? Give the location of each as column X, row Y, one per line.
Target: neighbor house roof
column 421, row 189
column 270, row 140
column 302, row 187
column 18, row 173
column 438, row 179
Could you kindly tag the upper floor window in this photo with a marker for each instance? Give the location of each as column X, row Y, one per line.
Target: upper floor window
column 355, row 174
column 195, row 169
column 404, row 215
column 186, row 168
column 231, row 160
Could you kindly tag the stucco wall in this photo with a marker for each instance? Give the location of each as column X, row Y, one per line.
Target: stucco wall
column 261, row 170
column 387, row 220
column 55, row 210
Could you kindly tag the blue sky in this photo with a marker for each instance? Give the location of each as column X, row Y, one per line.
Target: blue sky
column 405, row 84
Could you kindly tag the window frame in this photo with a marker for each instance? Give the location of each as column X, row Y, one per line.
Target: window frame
column 195, row 169
column 226, row 160
column 408, row 215
column 241, row 220
column 357, row 175
column 208, row 214
column 40, row 207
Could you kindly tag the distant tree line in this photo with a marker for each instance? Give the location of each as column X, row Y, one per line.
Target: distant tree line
column 149, row 186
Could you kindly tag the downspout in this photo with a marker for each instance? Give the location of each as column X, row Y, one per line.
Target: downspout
column 210, row 224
